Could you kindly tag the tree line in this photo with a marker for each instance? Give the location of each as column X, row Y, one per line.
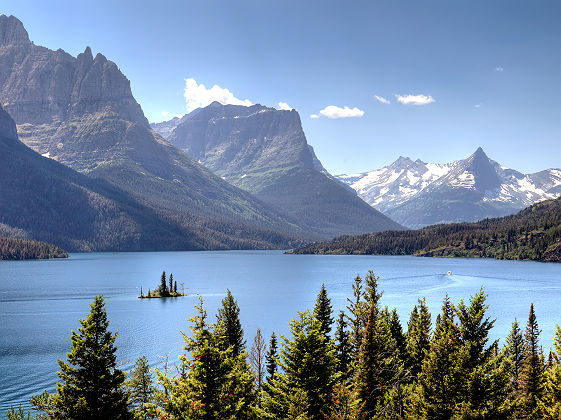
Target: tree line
column 532, row 234
column 26, row 249
column 359, row 364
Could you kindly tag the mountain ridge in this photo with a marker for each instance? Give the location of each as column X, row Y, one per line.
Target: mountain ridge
column 264, row 151
column 80, row 111
column 418, row 194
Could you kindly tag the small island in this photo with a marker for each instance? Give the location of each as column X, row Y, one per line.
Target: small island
column 164, row 290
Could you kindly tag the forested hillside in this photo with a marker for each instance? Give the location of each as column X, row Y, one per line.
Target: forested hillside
column 532, row 234
column 25, row 249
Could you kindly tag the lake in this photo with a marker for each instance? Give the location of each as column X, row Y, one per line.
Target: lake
column 41, row 301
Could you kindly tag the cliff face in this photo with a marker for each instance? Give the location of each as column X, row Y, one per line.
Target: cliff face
column 265, row 152
column 40, row 86
column 81, row 112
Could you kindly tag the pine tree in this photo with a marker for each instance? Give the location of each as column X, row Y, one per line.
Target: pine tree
column 418, row 337
column 257, row 359
column 398, row 337
column 271, row 358
column 228, row 319
column 213, row 383
column 323, row 311
column 170, row 287
column 441, row 375
column 515, row 350
column 343, row 347
column 531, row 379
column 141, row 388
column 550, row 402
column 91, row 386
column 175, row 287
column 374, row 372
column 163, row 286
column 141, row 295
column 308, row 362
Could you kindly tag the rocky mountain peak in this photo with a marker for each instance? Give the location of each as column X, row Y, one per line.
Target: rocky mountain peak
column 12, row 31
column 7, row 126
column 86, row 56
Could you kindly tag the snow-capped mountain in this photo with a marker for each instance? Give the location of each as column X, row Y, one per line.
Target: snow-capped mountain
column 416, row 194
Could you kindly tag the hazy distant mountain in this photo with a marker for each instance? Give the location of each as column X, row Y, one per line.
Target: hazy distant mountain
column 81, row 112
column 264, row 151
column 418, row 194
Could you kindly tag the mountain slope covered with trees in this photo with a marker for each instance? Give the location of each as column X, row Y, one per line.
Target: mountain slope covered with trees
column 532, row 234
column 25, row 249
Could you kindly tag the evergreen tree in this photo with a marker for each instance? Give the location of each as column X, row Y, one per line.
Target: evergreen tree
column 141, row 295
column 343, row 347
column 213, row 384
column 141, row 388
column 398, row 337
column 308, row 363
column 323, row 311
column 418, row 336
column 550, row 402
column 441, row 375
column 515, row 350
column 170, row 287
column 91, row 386
column 163, row 287
column 175, row 287
column 532, row 367
column 271, row 358
column 229, row 321
column 374, row 365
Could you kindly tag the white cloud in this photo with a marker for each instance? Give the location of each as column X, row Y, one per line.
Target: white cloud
column 166, row 114
column 415, row 99
column 314, row 116
column 382, row 99
column 285, row 107
column 499, row 69
column 477, row 105
column 198, row 96
column 335, row 112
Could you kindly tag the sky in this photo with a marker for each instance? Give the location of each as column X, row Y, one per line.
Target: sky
column 372, row 80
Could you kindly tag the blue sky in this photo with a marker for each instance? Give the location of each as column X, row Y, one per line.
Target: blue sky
column 469, row 73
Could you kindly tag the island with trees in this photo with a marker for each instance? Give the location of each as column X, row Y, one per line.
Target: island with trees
column 165, row 289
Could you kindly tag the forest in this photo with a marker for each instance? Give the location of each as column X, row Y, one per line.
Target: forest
column 26, row 249
column 358, row 364
column 532, row 234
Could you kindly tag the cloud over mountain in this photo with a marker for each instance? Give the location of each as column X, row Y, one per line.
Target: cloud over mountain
column 198, row 96
column 334, row 112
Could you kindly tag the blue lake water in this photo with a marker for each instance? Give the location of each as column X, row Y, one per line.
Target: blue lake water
column 41, row 301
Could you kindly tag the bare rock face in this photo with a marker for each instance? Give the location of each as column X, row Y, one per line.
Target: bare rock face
column 41, row 86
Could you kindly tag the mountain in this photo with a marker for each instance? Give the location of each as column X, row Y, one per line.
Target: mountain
column 264, row 151
column 81, row 112
column 418, row 194
column 47, row 201
column 532, row 234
